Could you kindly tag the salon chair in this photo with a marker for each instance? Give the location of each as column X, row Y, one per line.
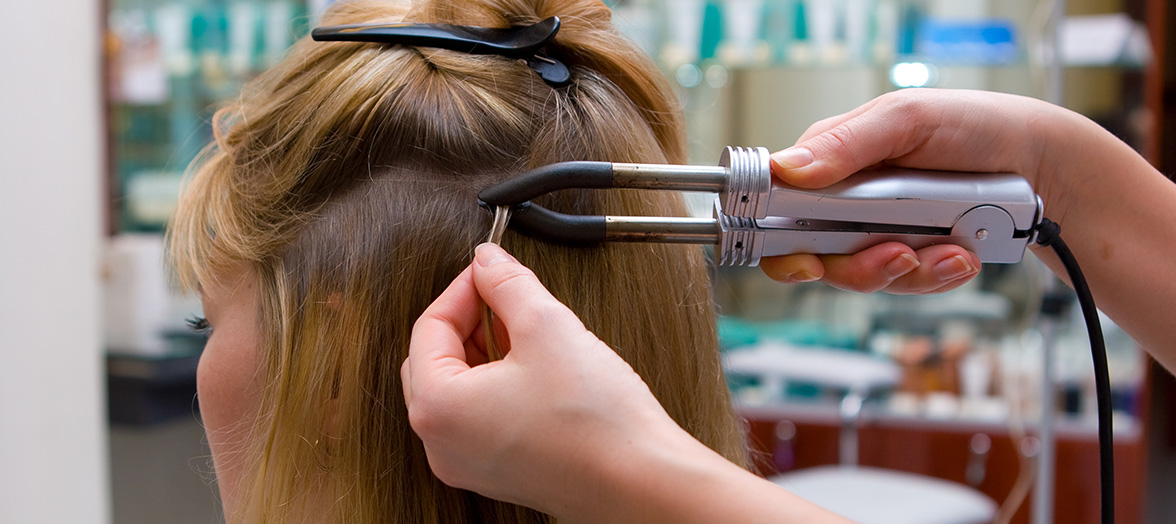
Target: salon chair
column 864, row 494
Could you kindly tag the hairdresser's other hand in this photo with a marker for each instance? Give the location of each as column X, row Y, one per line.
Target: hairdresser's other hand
column 526, row 429
column 1113, row 206
column 951, row 130
column 563, row 424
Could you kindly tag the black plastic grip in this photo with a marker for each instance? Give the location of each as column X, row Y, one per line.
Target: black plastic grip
column 547, row 179
column 558, row 228
column 516, row 42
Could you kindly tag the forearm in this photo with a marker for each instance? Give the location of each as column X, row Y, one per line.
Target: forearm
column 675, row 479
column 1115, row 211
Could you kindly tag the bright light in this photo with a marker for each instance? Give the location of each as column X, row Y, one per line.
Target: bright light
column 688, row 75
column 912, row 74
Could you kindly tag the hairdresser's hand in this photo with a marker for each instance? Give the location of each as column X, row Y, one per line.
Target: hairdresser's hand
column 562, row 424
column 950, row 130
column 537, row 427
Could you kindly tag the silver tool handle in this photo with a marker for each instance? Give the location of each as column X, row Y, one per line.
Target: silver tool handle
column 901, row 196
column 985, row 230
column 993, row 215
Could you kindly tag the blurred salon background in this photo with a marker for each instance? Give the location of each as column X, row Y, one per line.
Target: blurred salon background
column 989, row 387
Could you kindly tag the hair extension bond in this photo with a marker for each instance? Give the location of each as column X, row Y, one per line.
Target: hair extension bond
column 493, row 348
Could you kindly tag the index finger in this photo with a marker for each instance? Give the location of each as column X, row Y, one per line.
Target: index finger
column 839, row 146
column 437, row 347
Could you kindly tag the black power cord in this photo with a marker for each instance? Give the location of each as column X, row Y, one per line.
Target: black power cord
column 1049, row 234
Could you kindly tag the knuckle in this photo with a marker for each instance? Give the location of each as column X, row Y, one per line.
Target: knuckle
column 856, row 277
column 422, row 421
column 426, row 419
column 418, row 417
column 511, row 278
column 543, row 313
column 906, row 99
column 914, row 116
column 426, row 317
column 448, row 475
column 428, row 320
column 405, row 371
column 839, row 140
column 820, row 126
column 520, row 290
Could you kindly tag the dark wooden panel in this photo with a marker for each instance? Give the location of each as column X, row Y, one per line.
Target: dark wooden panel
column 944, row 453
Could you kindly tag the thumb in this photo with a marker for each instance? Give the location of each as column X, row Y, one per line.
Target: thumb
column 840, row 146
column 514, row 293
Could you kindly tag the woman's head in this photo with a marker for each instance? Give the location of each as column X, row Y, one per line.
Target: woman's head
column 340, row 199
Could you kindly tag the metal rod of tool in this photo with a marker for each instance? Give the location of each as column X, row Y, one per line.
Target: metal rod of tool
column 662, row 230
column 537, row 221
column 669, row 177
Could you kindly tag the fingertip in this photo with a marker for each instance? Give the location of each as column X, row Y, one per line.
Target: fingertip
column 891, row 260
column 488, row 254
column 818, row 175
column 512, row 291
column 900, row 264
column 496, row 272
column 943, row 267
column 493, row 267
column 794, row 157
column 793, row 269
column 954, row 267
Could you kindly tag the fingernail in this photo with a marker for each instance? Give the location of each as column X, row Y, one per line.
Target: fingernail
column 900, row 265
column 488, row 254
column 953, row 268
column 801, row 277
column 793, row 157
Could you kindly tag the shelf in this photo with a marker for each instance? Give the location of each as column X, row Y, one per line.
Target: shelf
column 826, row 413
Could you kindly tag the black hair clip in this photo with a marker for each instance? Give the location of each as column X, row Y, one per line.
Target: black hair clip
column 522, row 42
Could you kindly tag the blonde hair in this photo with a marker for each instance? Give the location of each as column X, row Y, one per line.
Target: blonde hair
column 346, row 177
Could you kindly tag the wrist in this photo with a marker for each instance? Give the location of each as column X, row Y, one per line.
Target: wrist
column 1069, row 158
column 647, row 472
column 628, row 477
column 669, row 477
column 672, row 478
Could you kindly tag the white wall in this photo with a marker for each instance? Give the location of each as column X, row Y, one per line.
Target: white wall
column 53, row 465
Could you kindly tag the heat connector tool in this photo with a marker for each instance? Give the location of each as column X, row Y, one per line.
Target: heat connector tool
column 994, row 215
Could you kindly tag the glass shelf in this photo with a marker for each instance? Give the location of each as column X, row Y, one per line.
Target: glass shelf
column 170, row 64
